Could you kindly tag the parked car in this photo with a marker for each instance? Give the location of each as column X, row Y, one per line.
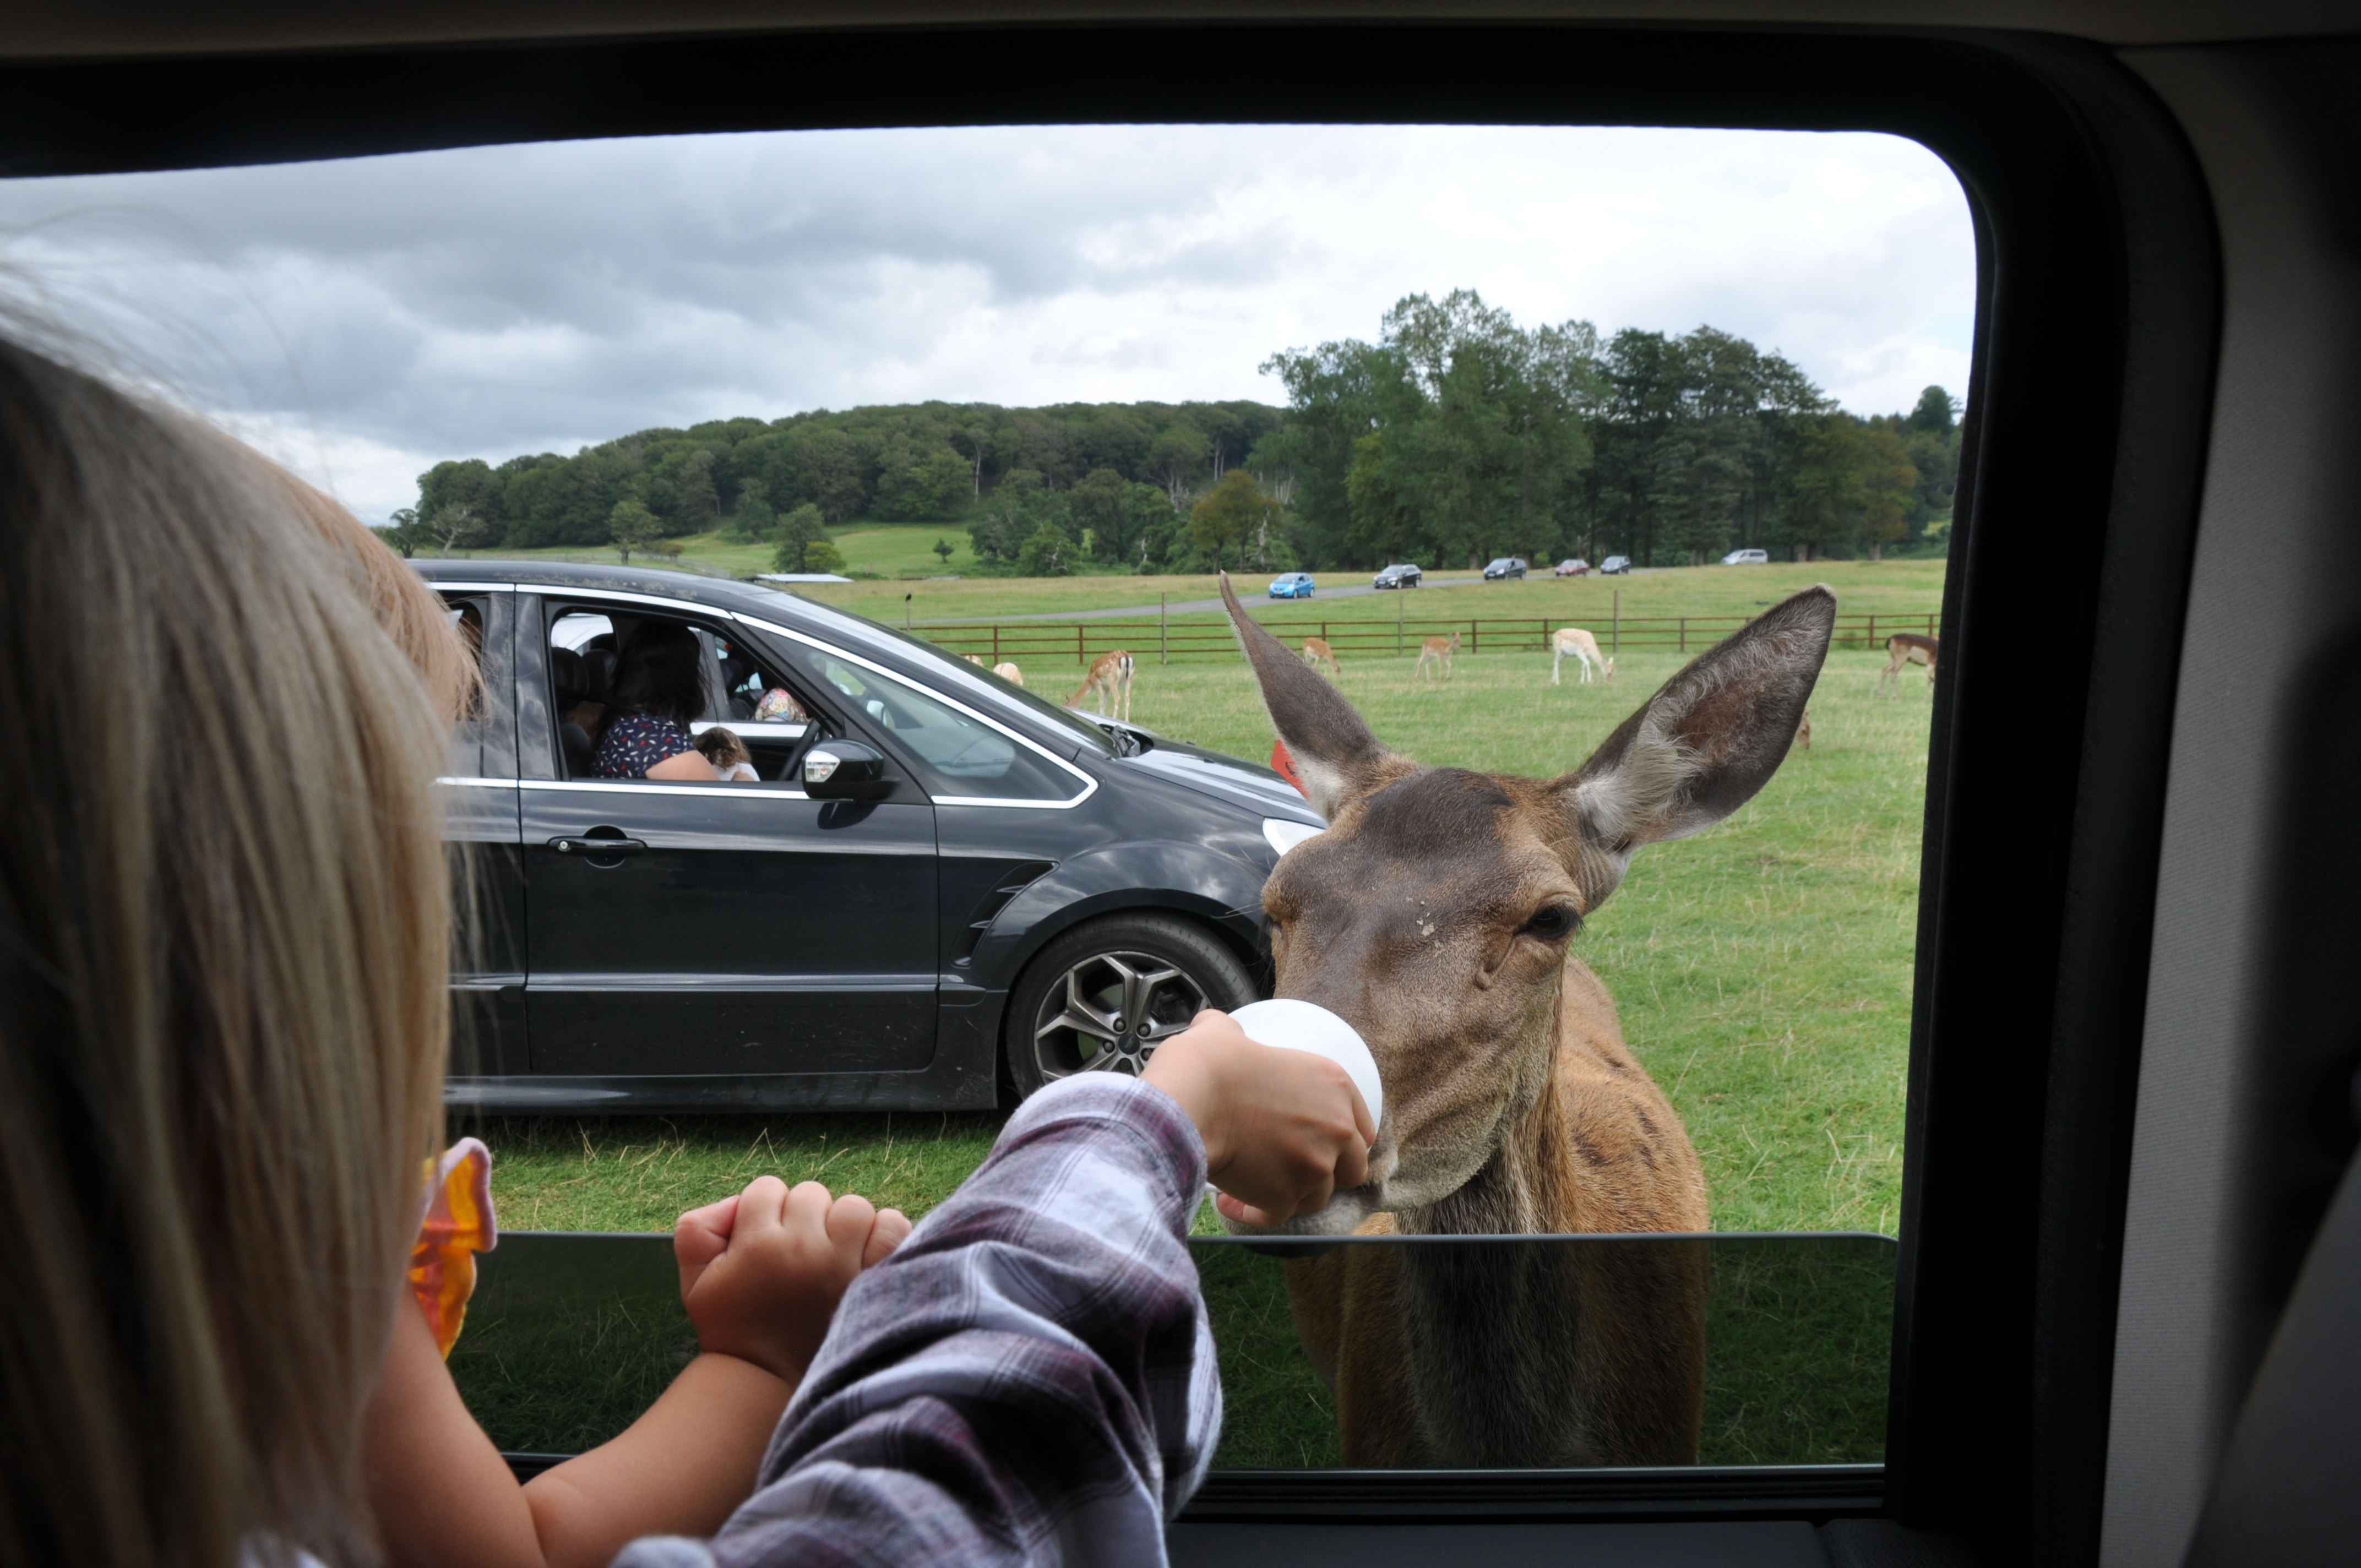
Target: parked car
column 1402, row 575
column 1291, row 586
column 1507, row 566
column 939, row 877
column 1615, row 566
column 1747, row 558
column 1573, row 566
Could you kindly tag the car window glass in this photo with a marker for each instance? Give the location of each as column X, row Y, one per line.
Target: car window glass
column 467, row 618
column 959, row 755
column 742, row 694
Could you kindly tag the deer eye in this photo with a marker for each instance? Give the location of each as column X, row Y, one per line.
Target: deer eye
column 1551, row 923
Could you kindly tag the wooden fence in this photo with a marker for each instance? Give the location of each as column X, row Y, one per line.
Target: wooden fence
column 1155, row 642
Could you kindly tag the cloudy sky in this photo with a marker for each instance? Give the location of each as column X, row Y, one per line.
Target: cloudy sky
column 364, row 319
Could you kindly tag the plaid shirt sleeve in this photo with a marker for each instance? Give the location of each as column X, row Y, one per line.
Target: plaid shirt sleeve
column 1029, row 1379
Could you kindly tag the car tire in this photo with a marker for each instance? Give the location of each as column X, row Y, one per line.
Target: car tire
column 1068, row 1011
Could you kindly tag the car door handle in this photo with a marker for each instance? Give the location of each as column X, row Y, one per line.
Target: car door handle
column 603, row 848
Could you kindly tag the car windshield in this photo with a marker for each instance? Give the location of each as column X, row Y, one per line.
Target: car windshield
column 1013, row 407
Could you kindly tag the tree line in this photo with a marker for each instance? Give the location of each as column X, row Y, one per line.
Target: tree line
column 1457, row 435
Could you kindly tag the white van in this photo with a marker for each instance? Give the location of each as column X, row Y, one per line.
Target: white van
column 1747, row 558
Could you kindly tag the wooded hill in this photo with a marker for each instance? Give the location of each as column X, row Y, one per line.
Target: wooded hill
column 1456, row 436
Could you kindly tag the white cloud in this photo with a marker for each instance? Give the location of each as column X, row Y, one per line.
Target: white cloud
column 368, row 317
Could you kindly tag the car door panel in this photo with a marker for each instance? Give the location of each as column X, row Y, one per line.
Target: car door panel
column 478, row 795
column 751, row 931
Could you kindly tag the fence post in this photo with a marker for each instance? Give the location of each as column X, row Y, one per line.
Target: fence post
column 1163, row 632
column 1399, row 592
column 995, row 644
column 1475, row 633
column 1873, row 631
column 1078, row 645
column 1685, row 634
column 1615, row 637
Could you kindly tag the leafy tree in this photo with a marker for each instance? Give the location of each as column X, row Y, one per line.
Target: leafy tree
column 796, row 534
column 1937, row 413
column 1048, row 553
column 1888, row 485
column 1230, row 512
column 453, row 524
column 402, row 531
column 755, row 519
column 1016, row 510
column 471, row 485
column 1177, row 457
column 632, row 526
column 944, row 549
column 822, row 555
column 914, row 484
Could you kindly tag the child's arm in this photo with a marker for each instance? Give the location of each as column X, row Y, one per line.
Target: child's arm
column 760, row 1274
column 1031, row 1378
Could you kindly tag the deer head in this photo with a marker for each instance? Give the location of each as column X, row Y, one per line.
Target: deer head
column 1434, row 913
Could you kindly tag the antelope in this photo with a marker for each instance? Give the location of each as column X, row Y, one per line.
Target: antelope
column 1317, row 653
column 1438, row 651
column 1434, row 914
column 1009, row 672
column 1907, row 648
column 1573, row 640
column 1109, row 682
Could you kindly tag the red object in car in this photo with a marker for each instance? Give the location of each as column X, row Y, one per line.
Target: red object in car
column 1284, row 766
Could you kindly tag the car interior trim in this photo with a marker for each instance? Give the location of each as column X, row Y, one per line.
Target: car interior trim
column 1090, row 785
column 635, row 787
column 450, row 585
column 619, row 596
column 478, row 784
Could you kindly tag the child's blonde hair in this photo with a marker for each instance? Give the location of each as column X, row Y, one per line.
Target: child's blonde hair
column 223, row 969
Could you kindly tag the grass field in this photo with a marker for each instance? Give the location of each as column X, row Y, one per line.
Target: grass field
column 1762, row 969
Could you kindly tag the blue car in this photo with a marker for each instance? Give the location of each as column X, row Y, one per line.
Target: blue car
column 1291, row 586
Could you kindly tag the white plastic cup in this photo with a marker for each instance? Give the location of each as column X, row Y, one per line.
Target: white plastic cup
column 1308, row 1026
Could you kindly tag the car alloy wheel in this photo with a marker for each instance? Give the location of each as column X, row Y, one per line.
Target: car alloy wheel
column 1102, row 997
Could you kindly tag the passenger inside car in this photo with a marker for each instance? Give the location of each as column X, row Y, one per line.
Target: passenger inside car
column 729, row 756
column 659, row 692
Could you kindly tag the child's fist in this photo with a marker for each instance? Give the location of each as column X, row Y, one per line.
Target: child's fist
column 761, row 1273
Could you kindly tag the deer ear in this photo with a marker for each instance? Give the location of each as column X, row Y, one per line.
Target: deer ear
column 1699, row 749
column 1336, row 756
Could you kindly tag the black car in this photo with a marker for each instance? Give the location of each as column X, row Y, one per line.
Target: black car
column 1505, row 567
column 1616, row 566
column 939, row 884
column 1402, row 575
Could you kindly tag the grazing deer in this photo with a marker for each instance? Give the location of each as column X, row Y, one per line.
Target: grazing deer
column 1573, row 640
column 1008, row 671
column 1109, row 682
column 1317, row 653
column 1907, row 648
column 1438, row 651
column 1804, row 732
column 1434, row 914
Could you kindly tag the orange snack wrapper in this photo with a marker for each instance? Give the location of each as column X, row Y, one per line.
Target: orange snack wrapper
column 457, row 1226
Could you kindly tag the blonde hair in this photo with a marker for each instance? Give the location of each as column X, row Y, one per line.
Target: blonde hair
column 223, row 944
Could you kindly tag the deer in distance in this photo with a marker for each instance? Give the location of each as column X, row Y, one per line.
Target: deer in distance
column 1008, row 671
column 1907, row 648
column 1108, row 685
column 1317, row 653
column 1439, row 653
column 1434, row 915
column 1584, row 647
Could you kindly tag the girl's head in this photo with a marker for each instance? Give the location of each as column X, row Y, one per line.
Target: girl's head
column 223, row 964
column 661, row 672
column 723, row 748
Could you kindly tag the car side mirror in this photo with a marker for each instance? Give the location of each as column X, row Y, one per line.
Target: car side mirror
column 845, row 770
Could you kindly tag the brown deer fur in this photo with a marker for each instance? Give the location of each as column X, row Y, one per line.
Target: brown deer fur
column 1907, row 648
column 1108, row 686
column 1434, row 914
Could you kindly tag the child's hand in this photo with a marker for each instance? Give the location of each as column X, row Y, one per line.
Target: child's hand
column 761, row 1273
column 1283, row 1129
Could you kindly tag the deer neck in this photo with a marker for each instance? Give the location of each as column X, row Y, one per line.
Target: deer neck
column 1523, row 1190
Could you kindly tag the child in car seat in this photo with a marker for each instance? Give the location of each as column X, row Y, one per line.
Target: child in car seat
column 729, row 756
